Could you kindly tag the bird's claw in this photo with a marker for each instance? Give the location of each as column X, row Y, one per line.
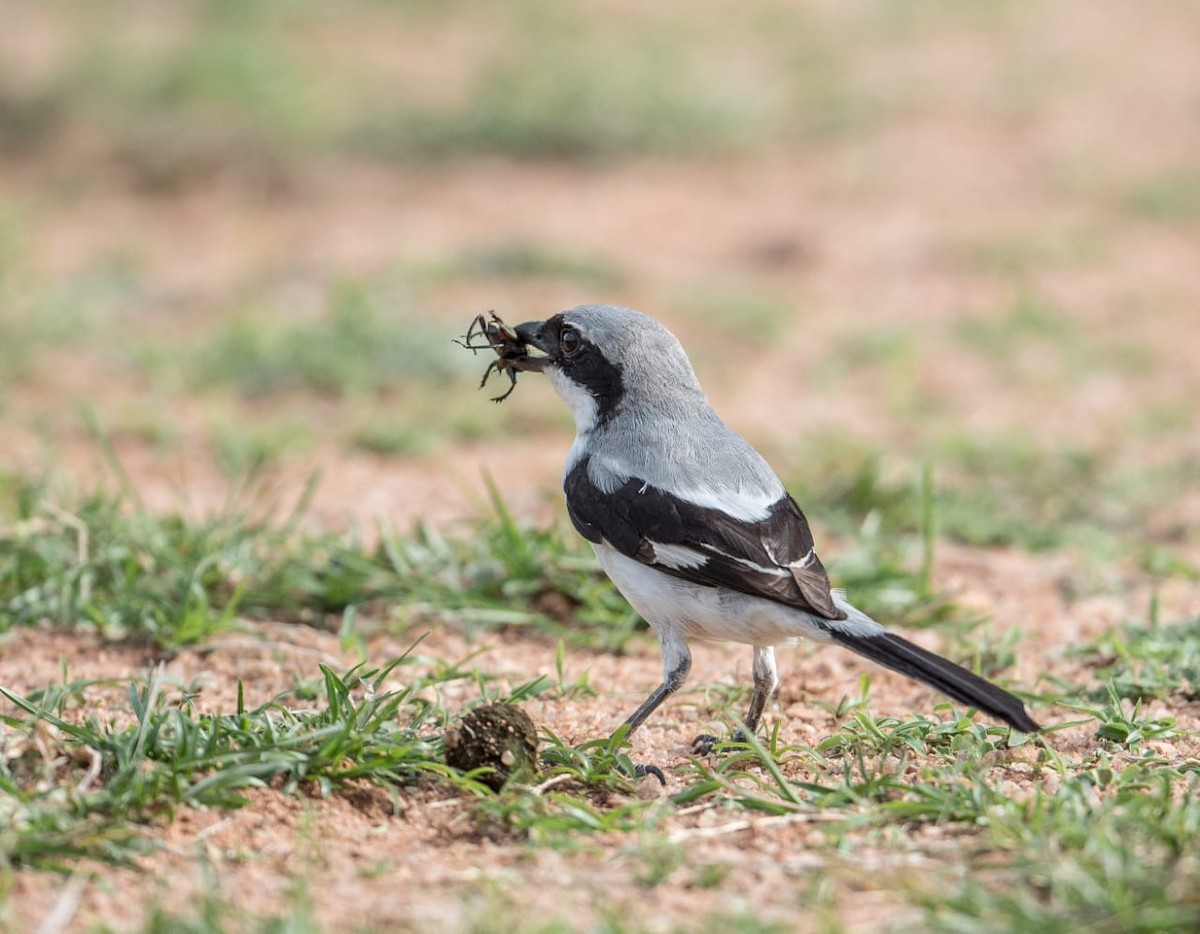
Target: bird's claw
column 705, row 743
column 641, row 771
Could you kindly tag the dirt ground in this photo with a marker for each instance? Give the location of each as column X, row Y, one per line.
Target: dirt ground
column 878, row 237
column 423, row 862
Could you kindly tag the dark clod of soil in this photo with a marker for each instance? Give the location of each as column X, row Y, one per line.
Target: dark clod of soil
column 499, row 736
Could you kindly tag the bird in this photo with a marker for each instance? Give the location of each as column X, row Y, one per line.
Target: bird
column 693, row 526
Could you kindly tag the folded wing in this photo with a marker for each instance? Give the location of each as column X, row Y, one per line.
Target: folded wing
column 772, row 557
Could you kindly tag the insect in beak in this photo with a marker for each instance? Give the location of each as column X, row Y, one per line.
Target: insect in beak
column 512, row 351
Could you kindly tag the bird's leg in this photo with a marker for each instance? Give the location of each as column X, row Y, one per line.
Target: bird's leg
column 766, row 680
column 677, row 662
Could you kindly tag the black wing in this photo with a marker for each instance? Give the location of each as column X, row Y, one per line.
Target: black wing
column 773, row 558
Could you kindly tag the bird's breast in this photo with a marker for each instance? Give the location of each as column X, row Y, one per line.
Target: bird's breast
column 673, row 606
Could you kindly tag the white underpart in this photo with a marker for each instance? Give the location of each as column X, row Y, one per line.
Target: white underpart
column 680, row 610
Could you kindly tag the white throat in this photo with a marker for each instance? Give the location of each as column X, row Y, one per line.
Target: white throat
column 582, row 403
column 583, row 407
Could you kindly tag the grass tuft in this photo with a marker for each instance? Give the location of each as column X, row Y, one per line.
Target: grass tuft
column 1147, row 662
column 87, row 794
column 108, row 564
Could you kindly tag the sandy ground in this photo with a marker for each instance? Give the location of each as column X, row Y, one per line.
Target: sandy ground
column 879, row 237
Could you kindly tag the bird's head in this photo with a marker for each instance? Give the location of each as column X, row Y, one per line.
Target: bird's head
column 602, row 358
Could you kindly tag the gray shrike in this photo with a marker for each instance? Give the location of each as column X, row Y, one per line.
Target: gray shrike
column 690, row 522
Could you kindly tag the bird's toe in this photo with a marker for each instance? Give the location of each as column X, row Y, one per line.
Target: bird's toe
column 703, row 744
column 641, row 771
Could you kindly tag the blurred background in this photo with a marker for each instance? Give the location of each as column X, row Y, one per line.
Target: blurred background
column 236, row 239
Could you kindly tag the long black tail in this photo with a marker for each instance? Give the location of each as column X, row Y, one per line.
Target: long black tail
column 953, row 680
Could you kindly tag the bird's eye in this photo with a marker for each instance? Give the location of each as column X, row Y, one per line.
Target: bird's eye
column 570, row 342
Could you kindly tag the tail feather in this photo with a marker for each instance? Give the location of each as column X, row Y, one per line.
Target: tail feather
column 966, row 687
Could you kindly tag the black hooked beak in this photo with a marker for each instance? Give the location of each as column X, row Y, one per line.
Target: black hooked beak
column 536, row 352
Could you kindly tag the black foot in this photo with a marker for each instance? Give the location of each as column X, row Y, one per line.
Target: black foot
column 704, row 744
column 641, row 771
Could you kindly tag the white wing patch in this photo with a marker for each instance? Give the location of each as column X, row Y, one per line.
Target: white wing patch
column 743, row 503
column 738, row 503
column 677, row 556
